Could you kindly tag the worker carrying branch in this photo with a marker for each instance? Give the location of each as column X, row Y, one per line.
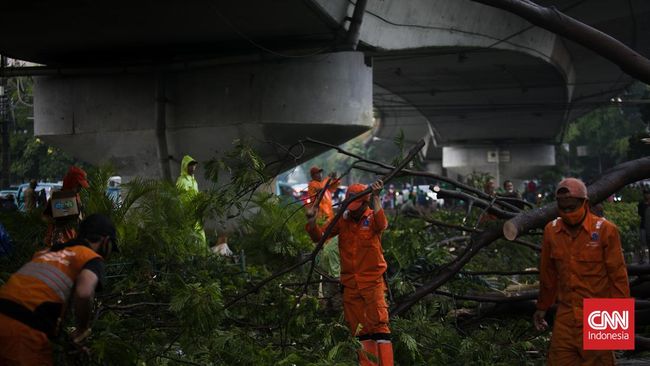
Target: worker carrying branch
column 316, row 185
column 34, row 299
column 581, row 258
column 328, row 259
column 362, row 268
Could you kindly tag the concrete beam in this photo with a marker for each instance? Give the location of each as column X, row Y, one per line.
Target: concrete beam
column 103, row 119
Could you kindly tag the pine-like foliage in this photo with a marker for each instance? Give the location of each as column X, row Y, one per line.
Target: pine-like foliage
column 165, row 301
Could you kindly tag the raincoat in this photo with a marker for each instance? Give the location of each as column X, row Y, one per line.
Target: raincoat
column 187, row 184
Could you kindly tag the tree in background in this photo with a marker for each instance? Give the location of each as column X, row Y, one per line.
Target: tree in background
column 30, row 157
column 610, row 135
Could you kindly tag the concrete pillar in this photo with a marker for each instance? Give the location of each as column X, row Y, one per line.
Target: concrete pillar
column 113, row 118
column 502, row 162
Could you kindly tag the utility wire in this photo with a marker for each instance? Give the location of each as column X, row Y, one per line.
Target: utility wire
column 255, row 43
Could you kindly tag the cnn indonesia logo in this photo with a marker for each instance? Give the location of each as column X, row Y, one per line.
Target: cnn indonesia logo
column 608, row 324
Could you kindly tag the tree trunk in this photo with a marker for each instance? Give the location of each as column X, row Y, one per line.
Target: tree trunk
column 610, row 182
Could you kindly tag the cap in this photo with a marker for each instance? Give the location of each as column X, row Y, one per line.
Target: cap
column 314, row 169
column 576, row 188
column 355, row 189
column 75, row 177
column 98, row 224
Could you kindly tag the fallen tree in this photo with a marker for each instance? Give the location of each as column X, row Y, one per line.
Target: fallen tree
column 610, row 182
column 551, row 19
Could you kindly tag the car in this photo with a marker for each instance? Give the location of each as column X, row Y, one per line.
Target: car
column 48, row 187
column 114, row 190
column 7, row 192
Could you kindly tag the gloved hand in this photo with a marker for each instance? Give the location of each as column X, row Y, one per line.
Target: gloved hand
column 222, row 249
column 78, row 335
column 538, row 320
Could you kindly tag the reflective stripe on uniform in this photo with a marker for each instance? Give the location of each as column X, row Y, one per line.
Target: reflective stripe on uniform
column 53, row 277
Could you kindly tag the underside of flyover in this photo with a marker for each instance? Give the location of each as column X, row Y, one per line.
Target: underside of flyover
column 468, row 78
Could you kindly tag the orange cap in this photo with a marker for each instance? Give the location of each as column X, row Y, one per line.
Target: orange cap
column 315, row 170
column 355, row 189
column 576, row 188
column 75, row 177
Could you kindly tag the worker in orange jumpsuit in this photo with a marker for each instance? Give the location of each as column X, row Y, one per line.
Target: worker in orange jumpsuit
column 581, row 258
column 328, row 259
column 362, row 268
column 34, row 299
column 316, row 185
column 60, row 230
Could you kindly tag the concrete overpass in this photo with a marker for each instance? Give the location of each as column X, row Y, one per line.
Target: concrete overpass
column 144, row 80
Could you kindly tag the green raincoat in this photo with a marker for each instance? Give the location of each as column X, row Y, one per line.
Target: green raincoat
column 187, row 184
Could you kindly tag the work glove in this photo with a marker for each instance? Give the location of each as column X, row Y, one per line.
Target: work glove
column 222, row 249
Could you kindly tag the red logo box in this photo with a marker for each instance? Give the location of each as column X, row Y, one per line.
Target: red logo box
column 608, row 324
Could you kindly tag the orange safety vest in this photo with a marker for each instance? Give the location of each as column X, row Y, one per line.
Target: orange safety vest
column 362, row 258
column 588, row 266
column 37, row 293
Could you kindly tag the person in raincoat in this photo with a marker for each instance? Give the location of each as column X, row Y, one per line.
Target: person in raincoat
column 187, row 184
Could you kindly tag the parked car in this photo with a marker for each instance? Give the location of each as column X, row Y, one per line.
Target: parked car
column 48, row 187
column 114, row 190
column 6, row 192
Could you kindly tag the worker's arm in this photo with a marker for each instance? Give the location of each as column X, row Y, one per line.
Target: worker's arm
column 314, row 230
column 84, row 294
column 615, row 263
column 547, row 283
column 334, row 182
column 548, row 277
column 380, row 223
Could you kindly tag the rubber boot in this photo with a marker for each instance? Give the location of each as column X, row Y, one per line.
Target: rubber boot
column 385, row 352
column 369, row 347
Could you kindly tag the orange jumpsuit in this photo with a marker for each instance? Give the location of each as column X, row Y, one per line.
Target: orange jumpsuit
column 362, row 269
column 591, row 265
column 33, row 300
column 325, row 208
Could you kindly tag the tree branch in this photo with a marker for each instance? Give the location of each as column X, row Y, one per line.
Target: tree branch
column 413, row 152
column 610, row 182
column 602, row 44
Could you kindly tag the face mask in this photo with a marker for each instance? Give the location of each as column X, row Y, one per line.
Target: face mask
column 574, row 218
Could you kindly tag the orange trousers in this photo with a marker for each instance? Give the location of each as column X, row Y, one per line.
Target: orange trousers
column 365, row 310
column 20, row 345
column 566, row 344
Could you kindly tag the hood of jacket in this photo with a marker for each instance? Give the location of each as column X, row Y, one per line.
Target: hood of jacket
column 185, row 163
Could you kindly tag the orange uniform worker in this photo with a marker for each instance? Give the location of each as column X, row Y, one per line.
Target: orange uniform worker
column 34, row 299
column 316, row 185
column 362, row 268
column 60, row 230
column 581, row 258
